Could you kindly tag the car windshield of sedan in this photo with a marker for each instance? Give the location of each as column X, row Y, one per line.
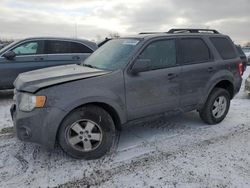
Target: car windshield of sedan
column 113, row 55
column 7, row 47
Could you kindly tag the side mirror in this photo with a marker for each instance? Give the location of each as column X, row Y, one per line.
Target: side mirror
column 10, row 55
column 141, row 65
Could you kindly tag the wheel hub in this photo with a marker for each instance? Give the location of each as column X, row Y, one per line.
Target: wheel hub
column 84, row 135
column 219, row 107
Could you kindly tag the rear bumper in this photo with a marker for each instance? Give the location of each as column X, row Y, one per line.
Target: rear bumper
column 39, row 126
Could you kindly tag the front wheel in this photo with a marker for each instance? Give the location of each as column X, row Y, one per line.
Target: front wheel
column 216, row 106
column 87, row 132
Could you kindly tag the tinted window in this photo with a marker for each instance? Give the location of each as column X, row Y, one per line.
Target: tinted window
column 240, row 51
column 194, row 50
column 57, row 47
column 161, row 53
column 79, row 48
column 28, row 48
column 224, row 47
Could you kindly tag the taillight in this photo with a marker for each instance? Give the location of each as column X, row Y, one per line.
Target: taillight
column 240, row 68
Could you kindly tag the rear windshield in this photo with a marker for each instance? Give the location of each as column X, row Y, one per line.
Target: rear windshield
column 224, row 47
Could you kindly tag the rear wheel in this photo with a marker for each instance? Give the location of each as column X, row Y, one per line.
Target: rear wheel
column 216, row 106
column 87, row 132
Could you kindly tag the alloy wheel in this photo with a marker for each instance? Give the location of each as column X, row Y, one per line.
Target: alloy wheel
column 84, row 135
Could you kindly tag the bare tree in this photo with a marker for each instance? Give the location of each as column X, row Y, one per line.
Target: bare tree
column 247, row 44
column 114, row 35
column 5, row 40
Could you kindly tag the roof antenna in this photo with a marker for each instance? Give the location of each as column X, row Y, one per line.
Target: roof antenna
column 76, row 30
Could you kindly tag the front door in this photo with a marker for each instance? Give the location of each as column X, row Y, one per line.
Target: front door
column 29, row 56
column 156, row 90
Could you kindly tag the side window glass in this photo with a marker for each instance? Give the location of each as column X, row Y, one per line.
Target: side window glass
column 57, row 47
column 161, row 53
column 194, row 50
column 224, row 47
column 80, row 48
column 27, row 48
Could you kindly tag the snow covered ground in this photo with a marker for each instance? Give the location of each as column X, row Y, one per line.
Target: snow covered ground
column 178, row 152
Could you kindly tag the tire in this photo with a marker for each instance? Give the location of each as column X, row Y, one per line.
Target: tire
column 208, row 112
column 87, row 133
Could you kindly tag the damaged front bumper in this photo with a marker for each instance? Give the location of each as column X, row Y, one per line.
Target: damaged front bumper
column 39, row 126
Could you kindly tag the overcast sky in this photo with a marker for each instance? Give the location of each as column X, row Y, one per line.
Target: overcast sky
column 25, row 18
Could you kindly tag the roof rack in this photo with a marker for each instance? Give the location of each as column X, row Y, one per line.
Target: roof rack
column 143, row 33
column 193, row 31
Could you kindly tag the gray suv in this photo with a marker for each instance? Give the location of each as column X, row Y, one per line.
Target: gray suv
column 36, row 53
column 83, row 107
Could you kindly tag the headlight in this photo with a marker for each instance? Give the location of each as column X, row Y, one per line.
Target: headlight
column 29, row 102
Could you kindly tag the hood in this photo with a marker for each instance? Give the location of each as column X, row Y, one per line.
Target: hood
column 35, row 80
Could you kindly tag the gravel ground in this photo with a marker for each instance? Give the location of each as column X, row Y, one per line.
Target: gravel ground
column 178, row 152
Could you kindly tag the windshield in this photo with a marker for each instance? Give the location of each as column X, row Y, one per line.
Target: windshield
column 7, row 47
column 113, row 55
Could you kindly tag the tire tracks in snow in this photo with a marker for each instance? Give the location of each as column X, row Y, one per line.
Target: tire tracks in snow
column 97, row 177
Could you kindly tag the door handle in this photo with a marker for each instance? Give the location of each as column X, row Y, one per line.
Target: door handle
column 76, row 58
column 172, row 76
column 210, row 69
column 39, row 59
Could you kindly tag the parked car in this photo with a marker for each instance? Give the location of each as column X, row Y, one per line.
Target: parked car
column 242, row 56
column 125, row 80
column 246, row 50
column 247, row 85
column 36, row 53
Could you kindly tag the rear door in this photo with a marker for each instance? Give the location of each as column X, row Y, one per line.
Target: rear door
column 65, row 52
column 197, row 67
column 156, row 90
column 80, row 51
column 29, row 56
column 59, row 53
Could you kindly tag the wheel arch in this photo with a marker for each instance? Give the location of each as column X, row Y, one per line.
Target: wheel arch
column 117, row 112
column 227, row 85
column 222, row 83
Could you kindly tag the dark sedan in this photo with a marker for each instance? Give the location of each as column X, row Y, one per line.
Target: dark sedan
column 36, row 53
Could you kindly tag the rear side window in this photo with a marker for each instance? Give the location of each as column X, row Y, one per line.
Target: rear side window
column 57, row 47
column 79, row 48
column 240, row 51
column 194, row 50
column 161, row 53
column 224, row 47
